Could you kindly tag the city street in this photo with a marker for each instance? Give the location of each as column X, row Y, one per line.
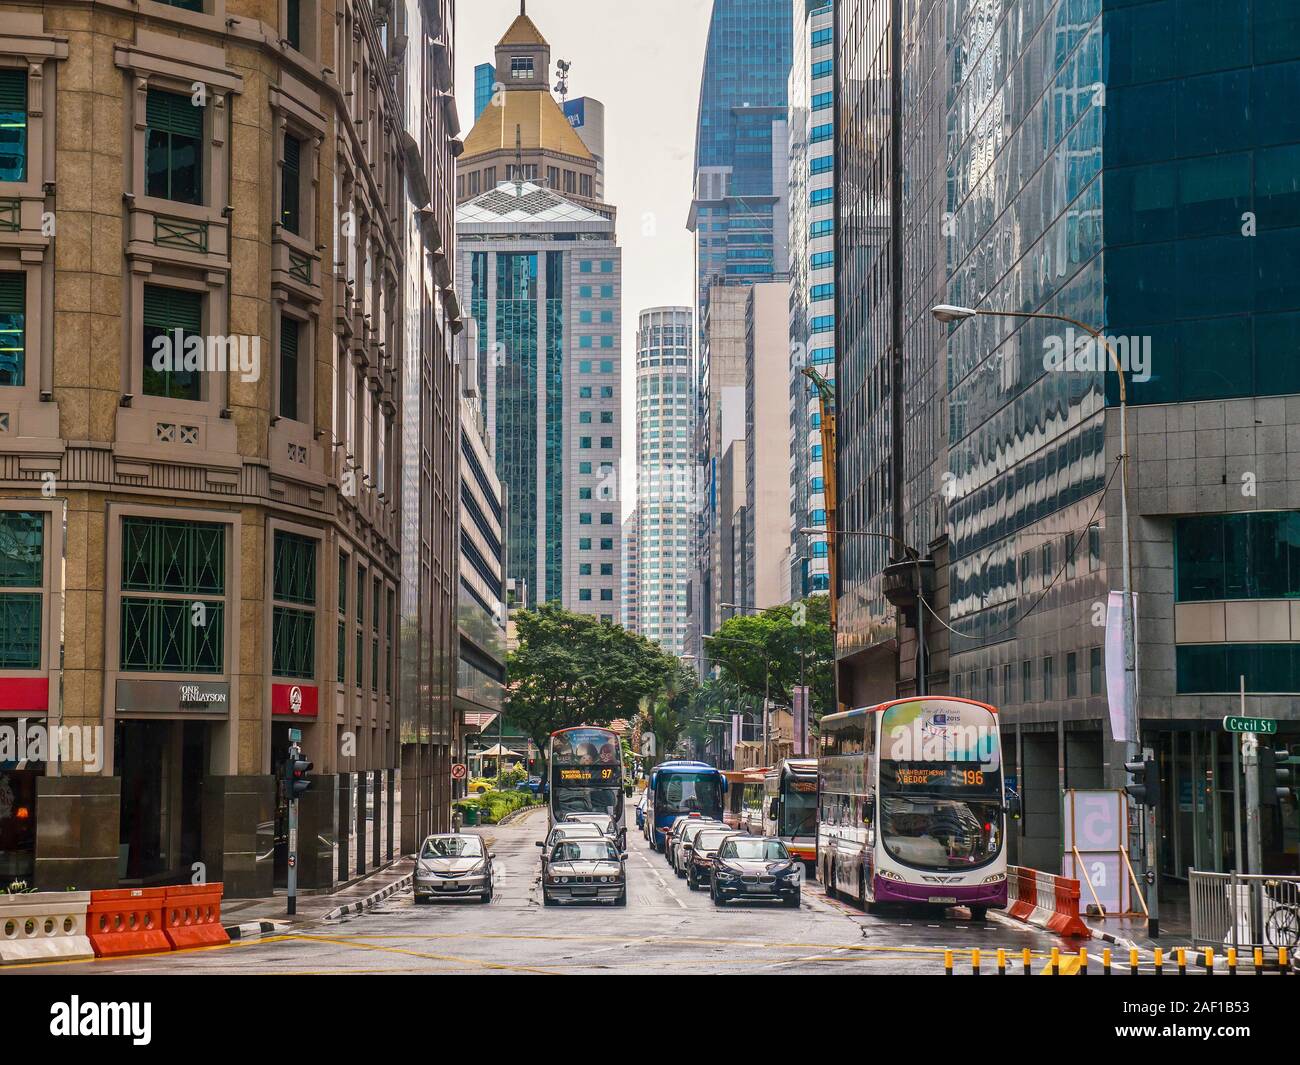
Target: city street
column 666, row 927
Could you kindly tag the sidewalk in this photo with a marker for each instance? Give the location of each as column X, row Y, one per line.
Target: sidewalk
column 243, row 913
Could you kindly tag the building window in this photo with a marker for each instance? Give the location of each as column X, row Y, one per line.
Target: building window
column 1096, row 679
column 1237, row 556
column 171, row 317
column 607, row 544
column 378, row 589
column 584, row 569
column 22, row 583
column 178, row 627
column 521, row 67
column 824, row 132
column 823, row 228
column 607, row 569
column 821, row 292
column 1071, row 675
column 584, row 595
column 1269, row 668
column 823, row 164
column 823, row 100
column 607, row 595
column 342, row 633
column 173, row 147
column 13, row 124
column 289, row 328
column 13, row 329
column 1026, row 681
column 293, row 627
column 820, row 197
column 389, row 663
column 293, row 24
column 585, row 186
column 1049, row 678
column 188, row 5
column 291, row 184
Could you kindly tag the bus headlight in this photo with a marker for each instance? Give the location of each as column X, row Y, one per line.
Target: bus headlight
column 994, row 878
column 888, row 874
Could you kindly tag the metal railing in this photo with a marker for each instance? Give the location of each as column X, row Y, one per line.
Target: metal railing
column 1229, row 909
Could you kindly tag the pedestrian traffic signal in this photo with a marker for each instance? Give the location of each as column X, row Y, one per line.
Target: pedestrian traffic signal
column 296, row 769
column 1144, row 783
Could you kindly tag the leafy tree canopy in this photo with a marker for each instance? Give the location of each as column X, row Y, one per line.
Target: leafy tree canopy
column 791, row 638
column 571, row 669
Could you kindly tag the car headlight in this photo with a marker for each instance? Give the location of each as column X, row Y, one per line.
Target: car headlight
column 783, row 870
column 726, row 872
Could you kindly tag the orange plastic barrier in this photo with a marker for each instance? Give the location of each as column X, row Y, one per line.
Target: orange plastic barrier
column 126, row 921
column 193, row 916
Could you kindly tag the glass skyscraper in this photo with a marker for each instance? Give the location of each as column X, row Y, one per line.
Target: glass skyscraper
column 740, row 220
column 1131, row 166
column 812, row 281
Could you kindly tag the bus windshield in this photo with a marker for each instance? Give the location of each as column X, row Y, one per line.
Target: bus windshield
column 584, row 800
column 940, row 785
column 799, row 810
column 688, row 793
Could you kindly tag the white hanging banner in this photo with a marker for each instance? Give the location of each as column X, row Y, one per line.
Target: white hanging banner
column 801, row 721
column 1116, row 680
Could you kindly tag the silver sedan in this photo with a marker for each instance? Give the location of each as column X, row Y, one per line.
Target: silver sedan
column 451, row 866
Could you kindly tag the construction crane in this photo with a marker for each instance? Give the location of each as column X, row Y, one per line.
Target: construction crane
column 826, row 398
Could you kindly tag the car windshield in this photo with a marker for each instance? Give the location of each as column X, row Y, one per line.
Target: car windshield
column 575, row 832
column 584, row 850
column 754, row 850
column 453, row 847
column 707, row 841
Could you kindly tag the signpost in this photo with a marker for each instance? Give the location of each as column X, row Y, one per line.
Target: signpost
column 1250, row 728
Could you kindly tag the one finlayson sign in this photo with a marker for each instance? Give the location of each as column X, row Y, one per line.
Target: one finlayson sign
column 206, row 697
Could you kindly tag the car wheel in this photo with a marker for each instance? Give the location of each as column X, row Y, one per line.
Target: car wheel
column 547, row 900
column 793, row 901
column 717, row 898
column 681, row 873
column 691, row 882
column 420, row 900
column 622, row 898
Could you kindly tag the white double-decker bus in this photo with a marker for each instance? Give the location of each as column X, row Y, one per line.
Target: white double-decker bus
column 911, row 806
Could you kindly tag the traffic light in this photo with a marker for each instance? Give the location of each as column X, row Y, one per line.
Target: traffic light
column 1144, row 783
column 1277, row 776
column 296, row 769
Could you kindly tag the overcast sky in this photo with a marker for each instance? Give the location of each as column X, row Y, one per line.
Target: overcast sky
column 643, row 61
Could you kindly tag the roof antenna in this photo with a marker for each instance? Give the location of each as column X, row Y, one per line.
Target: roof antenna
column 523, row 8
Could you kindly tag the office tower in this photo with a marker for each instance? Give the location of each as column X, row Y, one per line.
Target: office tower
column 665, row 420
column 812, row 282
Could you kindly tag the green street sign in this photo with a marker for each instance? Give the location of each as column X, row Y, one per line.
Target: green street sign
column 1263, row 725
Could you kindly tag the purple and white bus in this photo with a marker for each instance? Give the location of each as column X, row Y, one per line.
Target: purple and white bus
column 910, row 804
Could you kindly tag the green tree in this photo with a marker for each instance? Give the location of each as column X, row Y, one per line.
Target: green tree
column 572, row 669
column 794, row 640
column 667, row 713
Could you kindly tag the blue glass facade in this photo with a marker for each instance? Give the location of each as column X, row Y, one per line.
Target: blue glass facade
column 485, row 77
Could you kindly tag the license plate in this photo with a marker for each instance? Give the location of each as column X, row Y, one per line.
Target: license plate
column 947, row 900
column 584, row 891
column 450, row 887
column 761, row 887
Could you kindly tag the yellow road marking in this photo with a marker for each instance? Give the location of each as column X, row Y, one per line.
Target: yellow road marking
column 354, row 944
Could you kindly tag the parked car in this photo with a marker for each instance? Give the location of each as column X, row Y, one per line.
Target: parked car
column 568, row 830
column 756, row 868
column 453, row 865
column 580, row 870
column 686, row 837
column 640, row 811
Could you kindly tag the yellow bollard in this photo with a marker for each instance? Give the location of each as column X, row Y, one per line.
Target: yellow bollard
column 1002, row 962
column 1133, row 961
column 1281, row 960
column 1232, row 961
column 1083, row 962
column 1259, row 961
column 1026, row 960
column 975, row 962
column 947, row 963
column 1160, row 961
column 1054, row 968
column 1105, row 962
column 1209, row 961
column 1182, row 962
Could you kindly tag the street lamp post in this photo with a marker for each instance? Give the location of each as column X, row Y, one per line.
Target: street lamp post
column 950, row 313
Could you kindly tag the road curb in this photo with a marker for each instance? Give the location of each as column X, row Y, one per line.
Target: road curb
column 514, row 815
column 374, row 898
column 255, row 929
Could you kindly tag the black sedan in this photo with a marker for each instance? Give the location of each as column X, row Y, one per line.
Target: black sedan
column 748, row 867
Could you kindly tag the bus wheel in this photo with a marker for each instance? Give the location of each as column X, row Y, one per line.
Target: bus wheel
column 979, row 913
column 862, row 893
column 830, row 879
